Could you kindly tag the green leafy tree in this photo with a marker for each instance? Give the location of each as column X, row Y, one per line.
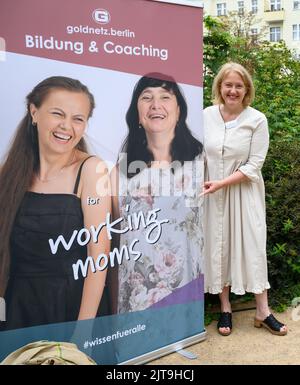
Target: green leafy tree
column 277, row 83
column 217, row 46
column 281, row 174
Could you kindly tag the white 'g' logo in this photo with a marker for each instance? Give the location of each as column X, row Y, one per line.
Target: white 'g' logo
column 101, row 16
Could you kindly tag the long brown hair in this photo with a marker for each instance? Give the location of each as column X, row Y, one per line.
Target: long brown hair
column 22, row 163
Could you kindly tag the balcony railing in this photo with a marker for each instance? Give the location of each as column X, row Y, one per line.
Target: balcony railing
column 274, row 16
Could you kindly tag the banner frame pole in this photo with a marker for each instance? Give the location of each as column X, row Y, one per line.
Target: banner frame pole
column 163, row 351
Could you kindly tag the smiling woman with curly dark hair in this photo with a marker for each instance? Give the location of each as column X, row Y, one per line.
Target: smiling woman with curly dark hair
column 157, row 180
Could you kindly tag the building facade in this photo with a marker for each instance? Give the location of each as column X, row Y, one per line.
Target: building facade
column 279, row 19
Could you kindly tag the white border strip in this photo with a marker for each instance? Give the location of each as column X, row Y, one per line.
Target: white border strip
column 191, row 3
column 166, row 349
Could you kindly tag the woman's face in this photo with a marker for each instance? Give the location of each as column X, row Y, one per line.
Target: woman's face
column 158, row 110
column 233, row 90
column 61, row 120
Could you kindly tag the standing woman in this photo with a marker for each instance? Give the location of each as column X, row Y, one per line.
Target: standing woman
column 236, row 144
column 45, row 182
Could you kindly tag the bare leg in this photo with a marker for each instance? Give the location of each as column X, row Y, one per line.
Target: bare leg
column 224, row 298
column 262, row 308
column 225, row 305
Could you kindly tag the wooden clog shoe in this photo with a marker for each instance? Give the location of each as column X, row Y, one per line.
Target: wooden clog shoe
column 272, row 324
column 225, row 321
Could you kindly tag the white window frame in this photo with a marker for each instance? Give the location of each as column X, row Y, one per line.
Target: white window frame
column 221, row 9
column 296, row 5
column 241, row 7
column 275, row 34
column 254, row 6
column 275, row 5
column 296, row 32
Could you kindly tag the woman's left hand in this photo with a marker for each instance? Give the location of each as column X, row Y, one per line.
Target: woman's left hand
column 211, row 187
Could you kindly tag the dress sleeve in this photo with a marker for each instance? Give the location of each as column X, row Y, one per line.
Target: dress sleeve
column 258, row 151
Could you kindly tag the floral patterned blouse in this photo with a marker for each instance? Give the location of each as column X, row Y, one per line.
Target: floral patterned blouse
column 175, row 259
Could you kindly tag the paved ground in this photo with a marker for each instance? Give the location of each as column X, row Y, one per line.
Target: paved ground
column 246, row 344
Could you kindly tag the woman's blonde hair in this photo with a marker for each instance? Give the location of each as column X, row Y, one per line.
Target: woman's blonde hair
column 244, row 74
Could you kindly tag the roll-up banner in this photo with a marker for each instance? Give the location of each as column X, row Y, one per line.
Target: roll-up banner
column 152, row 303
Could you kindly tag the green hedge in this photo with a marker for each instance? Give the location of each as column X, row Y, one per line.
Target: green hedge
column 281, row 173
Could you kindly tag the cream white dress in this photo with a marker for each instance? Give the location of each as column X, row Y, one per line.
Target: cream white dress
column 234, row 217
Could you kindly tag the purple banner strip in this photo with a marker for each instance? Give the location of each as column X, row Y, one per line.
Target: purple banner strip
column 193, row 291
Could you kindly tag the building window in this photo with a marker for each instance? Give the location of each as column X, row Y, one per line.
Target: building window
column 221, row 9
column 296, row 31
column 275, row 34
column 241, row 8
column 275, row 5
column 296, row 4
column 254, row 6
column 254, row 35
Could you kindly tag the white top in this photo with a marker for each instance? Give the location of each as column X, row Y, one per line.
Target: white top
column 234, row 220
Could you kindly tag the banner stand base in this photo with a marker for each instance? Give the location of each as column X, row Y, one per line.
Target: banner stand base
column 172, row 348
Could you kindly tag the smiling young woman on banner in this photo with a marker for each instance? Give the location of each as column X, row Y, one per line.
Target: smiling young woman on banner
column 45, row 184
